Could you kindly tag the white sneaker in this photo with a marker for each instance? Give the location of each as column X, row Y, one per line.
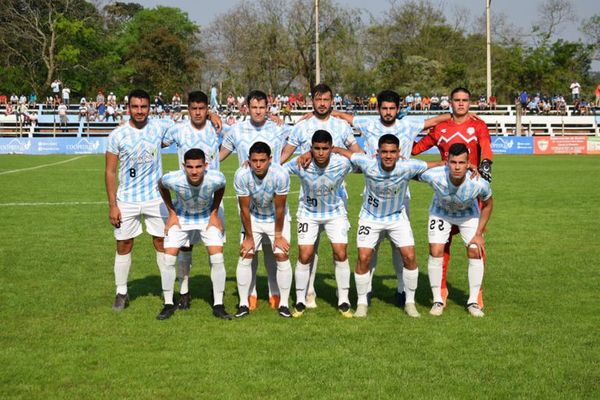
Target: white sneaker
column 437, row 309
column 311, row 300
column 361, row 311
column 474, row 310
column 411, row 310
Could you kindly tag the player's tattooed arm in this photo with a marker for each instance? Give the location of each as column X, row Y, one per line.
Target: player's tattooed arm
column 280, row 242
column 478, row 240
column 247, row 247
column 110, row 178
column 215, row 120
column 287, row 152
column 342, row 152
column 214, row 219
column 172, row 219
column 223, row 153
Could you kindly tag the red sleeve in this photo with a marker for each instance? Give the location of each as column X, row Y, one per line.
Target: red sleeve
column 485, row 142
column 424, row 144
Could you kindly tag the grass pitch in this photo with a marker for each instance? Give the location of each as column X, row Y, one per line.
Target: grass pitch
column 59, row 337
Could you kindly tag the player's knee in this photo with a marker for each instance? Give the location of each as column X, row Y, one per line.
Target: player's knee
column 124, row 246
column 158, row 243
column 473, row 252
column 410, row 261
column 281, row 257
column 305, row 258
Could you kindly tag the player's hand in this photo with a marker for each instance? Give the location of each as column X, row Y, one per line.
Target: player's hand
column 172, row 221
column 304, row 160
column 485, row 169
column 281, row 243
column 307, row 115
column 114, row 215
column 215, row 221
column 215, row 120
column 474, row 172
column 246, row 164
column 247, row 247
column 478, row 243
column 277, row 120
column 474, row 117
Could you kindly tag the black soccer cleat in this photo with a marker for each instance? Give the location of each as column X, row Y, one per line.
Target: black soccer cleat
column 344, row 309
column 242, row 311
column 184, row 301
column 167, row 312
column 400, row 299
column 121, row 302
column 284, row 312
column 219, row 312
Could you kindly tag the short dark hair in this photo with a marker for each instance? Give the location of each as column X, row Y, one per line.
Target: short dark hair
column 138, row 93
column 457, row 149
column 320, row 88
column 321, row 136
column 256, row 95
column 260, row 147
column 194, row 154
column 388, row 138
column 197, row 96
column 389, row 96
column 460, row 89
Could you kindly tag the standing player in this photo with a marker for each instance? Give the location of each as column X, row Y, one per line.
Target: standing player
column 135, row 147
column 240, row 138
column 455, row 204
column 322, row 207
column 383, row 214
column 194, row 133
column 300, row 138
column 460, row 129
column 195, row 217
column 262, row 192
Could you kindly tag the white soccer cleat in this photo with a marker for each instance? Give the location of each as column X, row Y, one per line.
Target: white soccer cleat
column 474, row 310
column 437, row 309
column 311, row 300
column 411, row 310
column 361, row 311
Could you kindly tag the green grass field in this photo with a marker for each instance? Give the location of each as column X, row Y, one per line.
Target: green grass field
column 59, row 337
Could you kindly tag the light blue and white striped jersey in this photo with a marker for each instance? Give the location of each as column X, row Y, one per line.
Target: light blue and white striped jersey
column 321, row 199
column 243, row 135
column 451, row 201
column 186, row 137
column 302, row 133
column 404, row 129
column 385, row 191
column 262, row 191
column 193, row 203
column 140, row 163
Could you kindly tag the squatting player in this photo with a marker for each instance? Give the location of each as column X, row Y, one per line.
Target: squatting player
column 460, row 129
column 193, row 218
column 262, row 193
column 322, row 207
column 135, row 148
column 383, row 214
column 455, row 204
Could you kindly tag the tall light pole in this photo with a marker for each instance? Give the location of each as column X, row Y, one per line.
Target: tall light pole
column 317, row 61
column 489, row 48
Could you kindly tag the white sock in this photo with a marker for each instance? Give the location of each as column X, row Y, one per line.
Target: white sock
column 362, row 287
column 302, row 277
column 342, row 279
column 434, row 268
column 160, row 259
column 183, row 272
column 399, row 266
column 252, row 290
column 217, row 276
column 284, row 281
column 272, row 268
column 313, row 274
column 168, row 274
column 122, row 266
column 475, row 278
column 411, row 280
column 243, row 275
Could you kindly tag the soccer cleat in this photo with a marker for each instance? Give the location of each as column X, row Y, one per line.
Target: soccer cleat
column 274, row 301
column 411, row 310
column 121, row 302
column 242, row 311
column 361, row 311
column 400, row 299
column 437, row 309
column 474, row 310
column 252, row 302
column 184, row 301
column 167, row 312
column 311, row 300
column 284, row 312
column 344, row 309
column 299, row 310
column 219, row 312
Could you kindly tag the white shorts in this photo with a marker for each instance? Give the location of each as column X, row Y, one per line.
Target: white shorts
column 335, row 228
column 154, row 213
column 438, row 229
column 370, row 233
column 264, row 234
column 177, row 238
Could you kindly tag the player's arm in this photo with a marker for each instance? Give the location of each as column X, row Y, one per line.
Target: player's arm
column 349, row 118
column 287, row 152
column 216, row 122
column 110, row 180
column 355, row 148
column 214, row 219
column 343, row 152
column 247, row 247
column 423, row 145
column 224, row 152
column 484, row 217
column 280, row 242
column 431, row 122
column 172, row 219
column 433, row 164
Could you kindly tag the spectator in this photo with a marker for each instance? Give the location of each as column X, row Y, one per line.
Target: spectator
column 82, row 111
column 373, row 102
column 426, row 103
column 292, row 101
column 482, row 103
column 597, row 93
column 286, row 112
column 214, row 103
column 101, row 109
column 112, row 99
column 301, row 103
column 55, row 86
column 63, row 118
column 230, row 102
column 493, row 102
column 524, row 99
column 417, row 102
column 14, row 99
column 435, row 102
column 66, row 95
column 22, row 99
column 444, row 102
column 32, row 100
column 409, row 100
column 575, row 89
column 110, row 112
column 100, row 98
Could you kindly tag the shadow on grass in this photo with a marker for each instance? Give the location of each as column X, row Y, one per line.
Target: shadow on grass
column 147, row 286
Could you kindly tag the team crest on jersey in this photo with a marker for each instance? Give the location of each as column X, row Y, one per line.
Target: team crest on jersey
column 387, row 192
column 470, row 130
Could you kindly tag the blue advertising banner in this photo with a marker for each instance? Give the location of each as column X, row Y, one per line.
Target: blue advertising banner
column 41, row 146
column 512, row 145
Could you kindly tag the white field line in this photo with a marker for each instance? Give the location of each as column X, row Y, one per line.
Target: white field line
column 12, row 171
